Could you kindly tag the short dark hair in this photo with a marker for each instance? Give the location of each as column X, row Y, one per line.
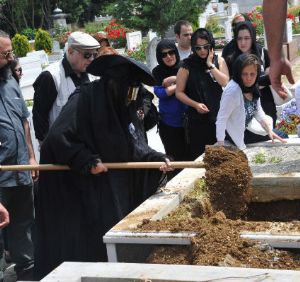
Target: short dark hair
column 4, row 34
column 179, row 24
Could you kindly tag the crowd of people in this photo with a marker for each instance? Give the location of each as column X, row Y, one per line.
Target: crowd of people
column 85, row 122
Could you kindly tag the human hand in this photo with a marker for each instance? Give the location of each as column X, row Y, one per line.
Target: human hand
column 274, row 136
column 166, row 166
column 278, row 68
column 168, row 81
column 4, row 216
column 210, row 57
column 34, row 173
column 201, row 108
column 99, row 168
column 219, row 143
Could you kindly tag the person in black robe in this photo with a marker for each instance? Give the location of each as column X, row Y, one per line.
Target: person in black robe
column 98, row 124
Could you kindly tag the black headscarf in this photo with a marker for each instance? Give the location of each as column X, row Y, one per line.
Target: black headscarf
column 238, row 67
column 254, row 47
column 163, row 71
column 194, row 59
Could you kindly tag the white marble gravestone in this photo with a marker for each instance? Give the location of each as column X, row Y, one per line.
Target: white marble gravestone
column 233, row 9
column 32, row 67
column 151, row 34
column 134, row 40
column 41, row 54
column 228, row 31
column 151, row 53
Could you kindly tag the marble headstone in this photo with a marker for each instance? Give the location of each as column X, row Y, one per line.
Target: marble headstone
column 151, row 53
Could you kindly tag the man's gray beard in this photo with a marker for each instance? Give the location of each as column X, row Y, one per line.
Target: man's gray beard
column 5, row 72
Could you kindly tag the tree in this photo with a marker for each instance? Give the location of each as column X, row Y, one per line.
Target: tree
column 155, row 14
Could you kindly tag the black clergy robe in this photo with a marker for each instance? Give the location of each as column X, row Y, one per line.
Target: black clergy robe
column 75, row 208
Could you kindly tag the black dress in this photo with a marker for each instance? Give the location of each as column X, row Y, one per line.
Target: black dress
column 75, row 208
column 201, row 87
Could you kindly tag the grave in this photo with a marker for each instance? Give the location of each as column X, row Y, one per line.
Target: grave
column 32, row 67
column 134, row 40
column 133, row 272
column 126, row 244
column 151, row 53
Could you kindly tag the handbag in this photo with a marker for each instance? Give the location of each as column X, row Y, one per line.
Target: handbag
column 255, row 127
column 278, row 100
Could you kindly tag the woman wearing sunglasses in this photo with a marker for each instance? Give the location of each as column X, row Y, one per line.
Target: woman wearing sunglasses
column 16, row 70
column 199, row 86
column 171, row 110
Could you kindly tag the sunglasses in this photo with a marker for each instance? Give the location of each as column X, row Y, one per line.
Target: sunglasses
column 7, row 54
column 170, row 53
column 87, row 55
column 204, row 47
column 19, row 70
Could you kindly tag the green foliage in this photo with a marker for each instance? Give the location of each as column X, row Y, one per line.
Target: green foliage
column 43, row 41
column 157, row 14
column 140, row 53
column 29, row 33
column 260, row 158
column 293, row 12
column 213, row 26
column 20, row 45
column 116, row 33
column 275, row 160
column 257, row 20
column 94, row 27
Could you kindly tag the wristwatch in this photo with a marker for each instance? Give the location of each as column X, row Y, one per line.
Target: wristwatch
column 211, row 67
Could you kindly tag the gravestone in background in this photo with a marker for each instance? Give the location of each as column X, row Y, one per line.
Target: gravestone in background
column 233, row 9
column 228, row 32
column 134, row 40
column 151, row 53
column 41, row 54
column 151, row 34
column 32, row 67
column 245, row 6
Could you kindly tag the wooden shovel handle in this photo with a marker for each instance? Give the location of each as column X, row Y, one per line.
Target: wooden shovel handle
column 130, row 165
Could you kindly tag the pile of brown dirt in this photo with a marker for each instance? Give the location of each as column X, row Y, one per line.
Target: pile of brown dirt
column 228, row 178
column 218, row 243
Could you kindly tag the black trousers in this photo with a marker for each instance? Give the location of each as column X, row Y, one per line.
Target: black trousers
column 173, row 140
column 201, row 134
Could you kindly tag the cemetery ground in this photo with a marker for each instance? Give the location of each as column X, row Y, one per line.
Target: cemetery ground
column 218, row 210
column 217, row 227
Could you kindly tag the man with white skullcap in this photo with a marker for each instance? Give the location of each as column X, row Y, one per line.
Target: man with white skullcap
column 56, row 83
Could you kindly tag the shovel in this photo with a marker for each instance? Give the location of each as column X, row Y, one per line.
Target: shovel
column 129, row 165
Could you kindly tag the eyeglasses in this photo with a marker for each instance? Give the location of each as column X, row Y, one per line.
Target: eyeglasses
column 170, row 53
column 204, row 47
column 19, row 70
column 87, row 55
column 7, row 54
column 187, row 34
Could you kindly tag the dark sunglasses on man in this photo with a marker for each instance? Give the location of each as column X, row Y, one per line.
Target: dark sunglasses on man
column 87, row 55
column 170, row 53
column 200, row 47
